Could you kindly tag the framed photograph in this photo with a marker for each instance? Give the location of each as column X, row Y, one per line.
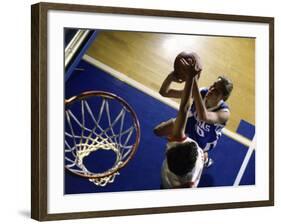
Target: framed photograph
column 138, row 111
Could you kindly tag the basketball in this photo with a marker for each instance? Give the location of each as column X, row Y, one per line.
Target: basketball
column 192, row 59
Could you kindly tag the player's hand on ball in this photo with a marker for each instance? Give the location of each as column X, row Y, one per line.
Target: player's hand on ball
column 184, row 69
column 175, row 77
column 187, row 64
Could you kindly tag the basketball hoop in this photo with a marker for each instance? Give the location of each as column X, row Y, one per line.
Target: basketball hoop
column 102, row 122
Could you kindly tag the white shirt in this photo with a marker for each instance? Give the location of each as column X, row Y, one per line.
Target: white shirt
column 171, row 180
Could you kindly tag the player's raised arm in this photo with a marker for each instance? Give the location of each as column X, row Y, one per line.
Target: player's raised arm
column 213, row 97
column 165, row 89
column 186, row 66
column 181, row 119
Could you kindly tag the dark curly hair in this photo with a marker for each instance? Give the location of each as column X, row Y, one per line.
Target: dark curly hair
column 182, row 157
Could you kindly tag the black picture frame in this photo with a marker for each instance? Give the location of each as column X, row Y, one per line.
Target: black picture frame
column 39, row 110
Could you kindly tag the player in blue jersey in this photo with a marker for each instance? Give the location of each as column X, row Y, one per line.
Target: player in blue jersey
column 209, row 112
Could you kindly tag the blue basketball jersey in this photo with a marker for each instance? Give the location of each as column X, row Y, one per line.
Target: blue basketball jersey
column 206, row 135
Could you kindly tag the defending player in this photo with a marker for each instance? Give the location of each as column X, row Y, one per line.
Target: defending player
column 184, row 161
column 209, row 112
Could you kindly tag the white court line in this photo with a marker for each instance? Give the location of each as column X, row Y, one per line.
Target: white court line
column 130, row 81
column 245, row 162
column 239, row 138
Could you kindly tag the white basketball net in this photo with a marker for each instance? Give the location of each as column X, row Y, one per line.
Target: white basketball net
column 86, row 134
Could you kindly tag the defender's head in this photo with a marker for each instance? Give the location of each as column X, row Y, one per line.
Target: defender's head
column 181, row 158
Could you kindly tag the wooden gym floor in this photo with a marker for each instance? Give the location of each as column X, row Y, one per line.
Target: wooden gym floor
column 148, row 58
